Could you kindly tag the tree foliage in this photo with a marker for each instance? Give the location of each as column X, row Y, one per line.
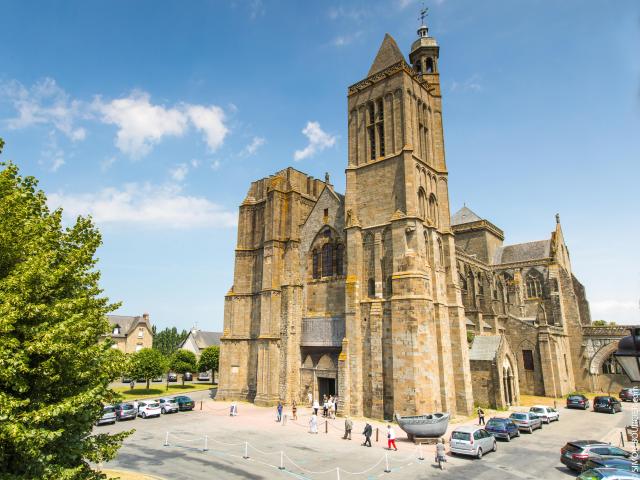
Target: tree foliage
column 209, row 359
column 601, row 323
column 148, row 364
column 168, row 341
column 55, row 363
column 183, row 361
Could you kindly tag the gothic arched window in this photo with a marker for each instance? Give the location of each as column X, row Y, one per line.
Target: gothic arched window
column 327, row 260
column 611, row 366
column 433, row 210
column 316, row 264
column 440, row 252
column 429, row 68
column 422, row 203
column 534, row 288
column 371, row 288
column 463, row 282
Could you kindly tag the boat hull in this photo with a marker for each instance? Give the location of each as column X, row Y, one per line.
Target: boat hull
column 427, row 426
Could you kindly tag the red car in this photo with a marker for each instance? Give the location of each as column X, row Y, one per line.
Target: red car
column 627, row 394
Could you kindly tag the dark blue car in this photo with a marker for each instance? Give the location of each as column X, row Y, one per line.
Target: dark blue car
column 502, row 428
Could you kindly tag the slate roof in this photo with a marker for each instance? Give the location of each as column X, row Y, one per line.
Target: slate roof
column 485, row 347
column 464, row 215
column 388, row 54
column 125, row 322
column 523, row 252
column 206, row 339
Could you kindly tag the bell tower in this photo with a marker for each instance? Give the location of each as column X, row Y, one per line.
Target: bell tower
column 404, row 319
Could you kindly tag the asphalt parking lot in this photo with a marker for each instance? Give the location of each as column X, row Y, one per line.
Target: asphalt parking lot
column 255, row 432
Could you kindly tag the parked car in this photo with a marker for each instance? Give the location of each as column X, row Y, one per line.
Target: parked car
column 187, row 376
column 168, row 405
column 472, row 440
column 527, row 421
column 627, row 394
column 204, row 377
column 125, row 411
column 607, row 404
column 607, row 461
column 148, row 408
column 575, row 454
column 172, row 377
column 502, row 428
column 157, row 379
column 126, row 379
column 577, row 401
column 108, row 415
column 608, row 474
column 184, row 402
column 546, row 414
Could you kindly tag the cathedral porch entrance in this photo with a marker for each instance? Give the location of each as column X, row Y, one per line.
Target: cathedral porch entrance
column 326, row 386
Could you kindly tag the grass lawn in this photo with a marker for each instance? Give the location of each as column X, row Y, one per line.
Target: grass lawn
column 159, row 390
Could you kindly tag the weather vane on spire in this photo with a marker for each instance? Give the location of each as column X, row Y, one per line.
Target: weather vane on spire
column 423, row 13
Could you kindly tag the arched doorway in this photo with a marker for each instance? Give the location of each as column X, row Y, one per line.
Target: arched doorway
column 508, row 382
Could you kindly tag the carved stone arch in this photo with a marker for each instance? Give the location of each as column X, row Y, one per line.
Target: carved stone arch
column 308, row 362
column 422, row 204
column 419, row 175
column 423, row 179
column 326, row 363
column 603, row 354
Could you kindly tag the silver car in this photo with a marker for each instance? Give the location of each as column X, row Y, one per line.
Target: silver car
column 168, row 405
column 527, row 421
column 472, row 440
column 108, row 415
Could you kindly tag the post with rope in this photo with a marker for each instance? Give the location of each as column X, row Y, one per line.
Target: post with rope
column 246, row 450
column 326, row 426
column 206, row 443
column 376, row 434
column 420, row 456
column 338, row 473
column 166, row 440
column 281, row 467
column 386, row 462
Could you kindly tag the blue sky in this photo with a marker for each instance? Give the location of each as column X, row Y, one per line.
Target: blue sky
column 155, row 116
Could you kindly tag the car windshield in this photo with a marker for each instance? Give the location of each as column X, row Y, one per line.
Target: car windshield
column 537, row 409
column 153, row 405
column 126, row 406
column 519, row 416
column 108, row 410
column 575, row 397
column 602, row 401
column 569, row 447
column 460, row 436
column 495, row 421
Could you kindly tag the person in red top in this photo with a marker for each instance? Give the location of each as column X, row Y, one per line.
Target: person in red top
column 391, row 438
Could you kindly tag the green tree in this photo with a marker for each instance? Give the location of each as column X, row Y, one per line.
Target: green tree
column 55, row 360
column 183, row 361
column 168, row 341
column 148, row 364
column 601, row 323
column 209, row 360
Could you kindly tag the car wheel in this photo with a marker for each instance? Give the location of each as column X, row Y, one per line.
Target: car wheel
column 144, row 415
column 495, row 446
column 479, row 454
column 508, row 437
column 163, row 411
column 518, row 433
column 530, row 430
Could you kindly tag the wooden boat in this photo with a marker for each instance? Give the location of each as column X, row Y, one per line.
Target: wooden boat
column 424, row 426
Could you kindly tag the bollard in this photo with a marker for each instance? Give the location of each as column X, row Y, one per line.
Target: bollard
column 326, row 426
column 206, row 444
column 338, row 473
column 200, row 404
column 386, row 462
column 281, row 467
column 420, row 456
column 621, row 439
column 246, row 450
column 284, row 419
column 166, row 440
column 376, row 434
column 555, row 405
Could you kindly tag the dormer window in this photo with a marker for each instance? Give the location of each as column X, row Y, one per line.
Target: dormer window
column 116, row 330
column 140, row 332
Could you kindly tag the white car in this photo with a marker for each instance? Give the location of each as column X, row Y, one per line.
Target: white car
column 472, row 440
column 546, row 414
column 149, row 409
column 168, row 405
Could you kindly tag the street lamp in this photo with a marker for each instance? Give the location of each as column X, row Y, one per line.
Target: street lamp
column 628, row 354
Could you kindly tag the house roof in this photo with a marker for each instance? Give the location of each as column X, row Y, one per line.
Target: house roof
column 523, row 252
column 485, row 347
column 464, row 215
column 205, row 339
column 388, row 54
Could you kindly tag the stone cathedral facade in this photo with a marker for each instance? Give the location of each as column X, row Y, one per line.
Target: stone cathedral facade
column 370, row 295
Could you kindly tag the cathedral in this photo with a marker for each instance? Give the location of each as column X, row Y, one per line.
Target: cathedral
column 380, row 295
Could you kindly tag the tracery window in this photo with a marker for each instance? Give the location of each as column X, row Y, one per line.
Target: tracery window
column 316, row 264
column 327, row 260
column 611, row 366
column 534, row 288
column 422, row 203
column 527, row 358
column 340, row 259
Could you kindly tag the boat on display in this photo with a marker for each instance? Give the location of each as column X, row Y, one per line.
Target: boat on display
column 424, row 426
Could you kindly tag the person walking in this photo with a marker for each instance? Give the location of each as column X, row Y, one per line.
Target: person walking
column 348, row 426
column 313, row 424
column 294, row 410
column 233, row 411
column 325, row 406
column 480, row 416
column 368, row 431
column 391, row 438
column 316, row 407
column 135, row 406
column 332, row 409
column 279, row 412
column 441, row 451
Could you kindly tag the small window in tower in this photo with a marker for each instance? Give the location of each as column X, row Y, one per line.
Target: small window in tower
column 372, row 117
column 419, row 66
column 381, row 138
column 372, row 143
column 371, row 288
column 429, row 68
column 380, row 109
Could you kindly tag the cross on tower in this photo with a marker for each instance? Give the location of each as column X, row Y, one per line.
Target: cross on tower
column 423, row 13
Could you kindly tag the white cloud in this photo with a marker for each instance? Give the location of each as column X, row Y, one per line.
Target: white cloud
column 471, row 84
column 210, row 120
column 140, row 124
column 619, row 311
column 52, row 156
column 44, row 103
column 195, row 163
column 318, row 141
column 179, row 173
column 343, row 40
column 253, row 147
column 215, row 165
column 107, row 163
column 145, row 205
